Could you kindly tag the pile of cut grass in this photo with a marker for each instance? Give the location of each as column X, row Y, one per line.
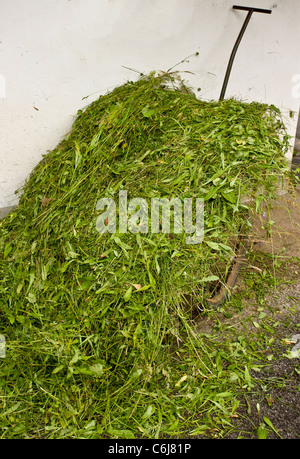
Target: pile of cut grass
column 99, row 342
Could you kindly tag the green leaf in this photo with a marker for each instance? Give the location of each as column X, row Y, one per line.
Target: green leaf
column 262, row 432
column 225, row 247
column 199, row 430
column 128, row 293
column 31, row 298
column 148, row 112
column 136, row 374
column 120, row 243
column 78, row 155
column 11, row 409
column 96, row 370
column 20, row 286
column 213, row 245
column 57, row 369
column 269, row 423
column 149, row 411
column 247, row 376
column 44, row 272
column 212, row 192
column 75, row 357
column 209, row 279
column 230, row 196
column 7, row 250
column 125, row 433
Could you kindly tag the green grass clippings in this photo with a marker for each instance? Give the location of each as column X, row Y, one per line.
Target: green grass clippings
column 99, row 340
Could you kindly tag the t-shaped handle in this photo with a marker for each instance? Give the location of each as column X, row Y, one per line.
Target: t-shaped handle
column 239, row 38
column 254, row 10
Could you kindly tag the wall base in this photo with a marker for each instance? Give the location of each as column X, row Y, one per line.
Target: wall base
column 5, row 211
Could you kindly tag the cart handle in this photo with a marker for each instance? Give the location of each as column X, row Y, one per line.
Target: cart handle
column 254, row 10
column 239, row 38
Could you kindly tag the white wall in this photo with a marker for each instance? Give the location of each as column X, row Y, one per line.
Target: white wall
column 53, row 53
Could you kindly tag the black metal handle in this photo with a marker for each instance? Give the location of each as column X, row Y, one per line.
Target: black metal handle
column 238, row 40
column 254, row 10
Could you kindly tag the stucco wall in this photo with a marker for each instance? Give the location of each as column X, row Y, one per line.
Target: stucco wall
column 53, row 53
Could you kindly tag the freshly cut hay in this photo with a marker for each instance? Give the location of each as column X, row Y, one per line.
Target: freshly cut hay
column 101, row 310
